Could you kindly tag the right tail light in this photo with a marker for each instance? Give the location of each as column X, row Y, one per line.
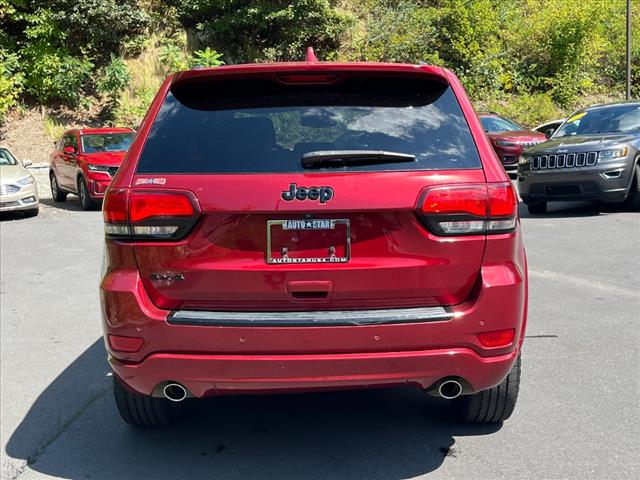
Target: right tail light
column 149, row 215
column 469, row 209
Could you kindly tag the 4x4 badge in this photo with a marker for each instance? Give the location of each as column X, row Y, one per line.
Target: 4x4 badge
column 324, row 194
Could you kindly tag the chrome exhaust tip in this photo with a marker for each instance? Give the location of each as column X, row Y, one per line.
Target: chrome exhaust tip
column 174, row 392
column 450, row 389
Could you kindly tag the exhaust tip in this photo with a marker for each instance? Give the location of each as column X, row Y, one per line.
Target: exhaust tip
column 450, row 389
column 174, row 392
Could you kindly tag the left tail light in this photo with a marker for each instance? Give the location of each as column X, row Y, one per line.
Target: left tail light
column 469, row 209
column 149, row 215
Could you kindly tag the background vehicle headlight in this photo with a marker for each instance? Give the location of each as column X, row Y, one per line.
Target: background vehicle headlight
column 98, row 168
column 26, row 180
column 524, row 160
column 613, row 153
column 502, row 143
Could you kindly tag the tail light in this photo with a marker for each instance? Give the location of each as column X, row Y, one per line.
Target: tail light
column 471, row 209
column 149, row 215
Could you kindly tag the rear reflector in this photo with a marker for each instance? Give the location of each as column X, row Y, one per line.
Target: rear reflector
column 121, row 343
column 469, row 209
column 499, row 338
column 149, row 215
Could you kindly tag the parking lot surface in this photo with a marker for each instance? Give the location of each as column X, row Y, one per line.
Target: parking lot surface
column 578, row 414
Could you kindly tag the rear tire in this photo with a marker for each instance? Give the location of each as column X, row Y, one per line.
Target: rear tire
column 539, row 208
column 87, row 202
column 493, row 405
column 633, row 197
column 57, row 194
column 143, row 410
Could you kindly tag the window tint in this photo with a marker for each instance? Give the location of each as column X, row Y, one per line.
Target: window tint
column 106, row 142
column 611, row 119
column 70, row 141
column 6, row 158
column 261, row 126
column 498, row 124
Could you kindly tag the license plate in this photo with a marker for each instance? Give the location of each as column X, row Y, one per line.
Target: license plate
column 319, row 240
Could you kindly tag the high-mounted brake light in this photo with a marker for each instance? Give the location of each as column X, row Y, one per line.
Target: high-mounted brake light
column 308, row 78
column 469, row 209
column 149, row 215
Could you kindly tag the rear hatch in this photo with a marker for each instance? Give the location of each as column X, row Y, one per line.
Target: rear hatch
column 306, row 193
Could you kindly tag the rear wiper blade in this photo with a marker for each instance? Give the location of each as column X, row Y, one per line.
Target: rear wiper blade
column 341, row 158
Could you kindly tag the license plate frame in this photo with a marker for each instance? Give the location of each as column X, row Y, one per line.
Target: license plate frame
column 307, row 224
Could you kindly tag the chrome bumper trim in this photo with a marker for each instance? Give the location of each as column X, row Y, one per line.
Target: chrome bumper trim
column 310, row 319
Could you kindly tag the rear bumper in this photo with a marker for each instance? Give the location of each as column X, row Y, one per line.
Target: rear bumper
column 205, row 375
column 216, row 359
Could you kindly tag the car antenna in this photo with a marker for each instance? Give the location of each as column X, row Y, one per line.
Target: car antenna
column 310, row 56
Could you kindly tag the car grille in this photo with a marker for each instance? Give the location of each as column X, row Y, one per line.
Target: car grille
column 9, row 204
column 9, row 189
column 526, row 145
column 564, row 160
column 112, row 171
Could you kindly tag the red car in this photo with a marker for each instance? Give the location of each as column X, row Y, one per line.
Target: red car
column 509, row 139
column 84, row 162
column 310, row 226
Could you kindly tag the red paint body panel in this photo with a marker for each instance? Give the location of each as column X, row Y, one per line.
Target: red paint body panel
column 509, row 155
column 396, row 262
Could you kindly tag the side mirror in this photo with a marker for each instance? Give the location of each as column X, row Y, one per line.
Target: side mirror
column 69, row 150
column 27, row 163
column 548, row 132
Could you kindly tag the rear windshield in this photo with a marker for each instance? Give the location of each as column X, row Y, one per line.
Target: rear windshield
column 254, row 126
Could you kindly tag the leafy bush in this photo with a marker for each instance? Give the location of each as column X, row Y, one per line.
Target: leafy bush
column 249, row 30
column 11, row 82
column 97, row 28
column 527, row 109
column 56, row 76
column 206, row 58
column 172, row 58
column 115, row 78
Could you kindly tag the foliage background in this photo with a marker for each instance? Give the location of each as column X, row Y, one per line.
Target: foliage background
column 532, row 60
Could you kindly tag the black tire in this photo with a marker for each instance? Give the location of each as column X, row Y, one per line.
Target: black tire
column 493, row 405
column 538, row 208
column 633, row 197
column 57, row 194
column 143, row 410
column 86, row 201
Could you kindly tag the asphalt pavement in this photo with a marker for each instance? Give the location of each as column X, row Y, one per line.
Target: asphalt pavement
column 578, row 415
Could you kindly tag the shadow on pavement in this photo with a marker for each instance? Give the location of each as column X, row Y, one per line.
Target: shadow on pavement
column 74, row 431
column 574, row 210
column 72, row 204
column 17, row 215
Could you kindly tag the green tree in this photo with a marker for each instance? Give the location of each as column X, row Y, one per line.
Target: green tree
column 249, row 30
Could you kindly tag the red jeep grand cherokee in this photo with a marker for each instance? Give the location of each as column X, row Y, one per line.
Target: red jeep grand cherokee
column 312, row 226
column 85, row 160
